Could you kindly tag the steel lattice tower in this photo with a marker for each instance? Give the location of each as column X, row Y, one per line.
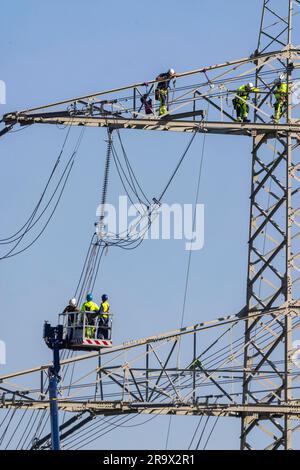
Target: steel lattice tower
column 268, row 399
column 273, row 263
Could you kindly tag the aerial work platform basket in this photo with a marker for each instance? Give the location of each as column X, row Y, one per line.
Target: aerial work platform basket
column 86, row 330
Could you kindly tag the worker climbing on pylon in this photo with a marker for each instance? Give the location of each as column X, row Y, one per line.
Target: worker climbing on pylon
column 102, row 318
column 240, row 101
column 162, row 90
column 280, row 94
column 90, row 306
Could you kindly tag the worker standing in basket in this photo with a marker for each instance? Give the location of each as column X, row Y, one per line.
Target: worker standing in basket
column 103, row 318
column 92, row 307
column 71, row 310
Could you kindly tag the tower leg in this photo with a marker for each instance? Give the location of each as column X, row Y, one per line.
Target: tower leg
column 273, row 266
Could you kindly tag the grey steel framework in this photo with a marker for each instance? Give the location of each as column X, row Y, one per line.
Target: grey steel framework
column 273, row 267
column 261, row 360
column 144, row 377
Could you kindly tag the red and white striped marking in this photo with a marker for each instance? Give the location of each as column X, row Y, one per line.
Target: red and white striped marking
column 97, row 342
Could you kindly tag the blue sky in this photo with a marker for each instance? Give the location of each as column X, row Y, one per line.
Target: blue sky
column 55, row 50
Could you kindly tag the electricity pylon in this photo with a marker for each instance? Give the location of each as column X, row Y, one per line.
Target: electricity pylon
column 273, row 268
column 274, row 231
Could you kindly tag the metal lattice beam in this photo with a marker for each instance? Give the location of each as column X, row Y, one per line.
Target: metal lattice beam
column 173, row 123
column 262, row 362
column 273, row 249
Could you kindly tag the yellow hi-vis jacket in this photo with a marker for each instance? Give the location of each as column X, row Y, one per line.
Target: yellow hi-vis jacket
column 281, row 92
column 104, row 308
column 89, row 307
column 243, row 91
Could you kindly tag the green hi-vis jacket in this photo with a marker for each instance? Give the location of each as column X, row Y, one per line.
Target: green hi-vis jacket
column 243, row 91
column 89, row 307
column 281, row 91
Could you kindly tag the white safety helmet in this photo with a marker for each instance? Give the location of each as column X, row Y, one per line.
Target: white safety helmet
column 250, row 85
column 277, row 81
column 171, row 71
column 73, row 302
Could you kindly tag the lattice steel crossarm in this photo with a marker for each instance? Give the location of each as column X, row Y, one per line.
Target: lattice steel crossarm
column 267, row 373
column 171, row 123
column 107, row 408
column 118, row 111
column 144, row 376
